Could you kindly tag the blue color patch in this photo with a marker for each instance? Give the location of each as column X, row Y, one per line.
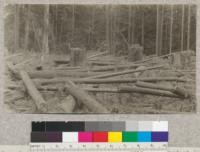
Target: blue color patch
column 144, row 136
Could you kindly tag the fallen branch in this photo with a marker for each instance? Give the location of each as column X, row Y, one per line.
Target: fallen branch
column 123, row 72
column 83, row 97
column 33, row 92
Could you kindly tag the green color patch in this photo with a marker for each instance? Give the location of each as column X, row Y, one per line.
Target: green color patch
column 129, row 136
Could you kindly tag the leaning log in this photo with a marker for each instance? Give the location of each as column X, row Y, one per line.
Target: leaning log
column 83, row 97
column 109, row 81
column 123, row 72
column 33, row 92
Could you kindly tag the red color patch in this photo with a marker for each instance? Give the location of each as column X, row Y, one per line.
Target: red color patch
column 100, row 136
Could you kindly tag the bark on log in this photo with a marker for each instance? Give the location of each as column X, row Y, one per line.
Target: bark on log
column 33, row 92
column 108, row 81
column 83, row 97
column 123, row 72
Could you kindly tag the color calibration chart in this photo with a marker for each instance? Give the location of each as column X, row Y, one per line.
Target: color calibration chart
column 99, row 135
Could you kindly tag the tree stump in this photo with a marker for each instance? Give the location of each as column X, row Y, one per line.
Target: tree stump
column 135, row 53
column 77, row 57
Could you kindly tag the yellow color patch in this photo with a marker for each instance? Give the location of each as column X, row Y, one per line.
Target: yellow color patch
column 114, row 136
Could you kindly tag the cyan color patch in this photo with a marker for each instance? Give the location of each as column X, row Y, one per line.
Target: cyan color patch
column 144, row 136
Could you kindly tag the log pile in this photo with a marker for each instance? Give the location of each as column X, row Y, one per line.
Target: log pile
column 104, row 85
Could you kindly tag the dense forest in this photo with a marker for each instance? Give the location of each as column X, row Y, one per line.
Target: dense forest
column 159, row 29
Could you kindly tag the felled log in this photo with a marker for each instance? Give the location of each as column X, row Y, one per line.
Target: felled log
column 128, row 89
column 48, row 74
column 176, row 90
column 68, row 68
column 100, row 63
column 83, row 97
column 77, row 56
column 123, row 72
column 33, row 92
column 109, row 81
column 154, row 86
column 62, row 61
column 97, row 55
column 118, row 67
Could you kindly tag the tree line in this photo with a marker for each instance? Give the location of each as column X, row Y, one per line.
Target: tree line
column 160, row 29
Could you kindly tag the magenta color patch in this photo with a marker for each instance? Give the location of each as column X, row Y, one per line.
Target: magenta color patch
column 85, row 136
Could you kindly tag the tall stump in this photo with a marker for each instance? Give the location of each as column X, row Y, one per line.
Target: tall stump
column 77, row 57
column 135, row 53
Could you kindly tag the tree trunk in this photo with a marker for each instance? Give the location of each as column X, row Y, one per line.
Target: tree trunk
column 182, row 27
column 171, row 29
column 46, row 31
column 188, row 28
column 16, row 28
column 27, row 28
column 159, row 30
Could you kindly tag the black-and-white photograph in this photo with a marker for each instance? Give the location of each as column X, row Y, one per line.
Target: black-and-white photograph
column 114, row 59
